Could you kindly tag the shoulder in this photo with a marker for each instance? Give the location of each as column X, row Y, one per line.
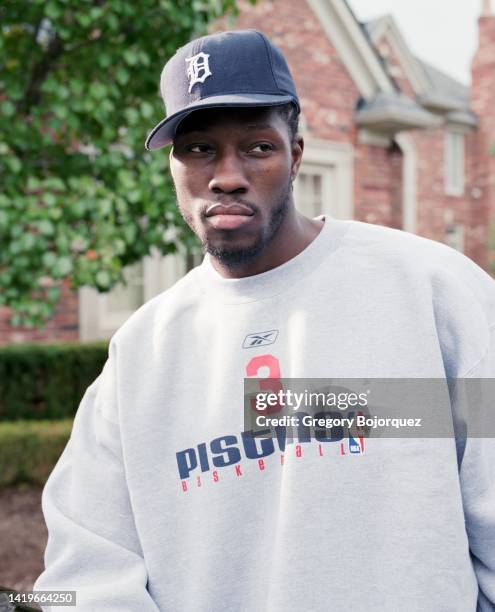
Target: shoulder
column 443, row 269
column 388, row 242
column 459, row 294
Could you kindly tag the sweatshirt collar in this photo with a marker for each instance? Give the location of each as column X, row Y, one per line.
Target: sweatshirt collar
column 277, row 280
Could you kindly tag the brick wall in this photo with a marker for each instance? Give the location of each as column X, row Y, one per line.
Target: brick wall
column 378, row 185
column 63, row 326
column 436, row 209
column 482, row 103
column 387, row 51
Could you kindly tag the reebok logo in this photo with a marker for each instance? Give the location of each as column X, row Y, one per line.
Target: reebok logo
column 260, row 338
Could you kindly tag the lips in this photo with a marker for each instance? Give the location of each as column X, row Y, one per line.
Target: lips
column 229, row 216
column 229, row 209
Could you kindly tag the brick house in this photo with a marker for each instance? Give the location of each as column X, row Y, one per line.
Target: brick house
column 389, row 139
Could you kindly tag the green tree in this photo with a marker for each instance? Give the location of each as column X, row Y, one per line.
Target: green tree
column 80, row 198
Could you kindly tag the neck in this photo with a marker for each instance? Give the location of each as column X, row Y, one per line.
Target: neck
column 295, row 233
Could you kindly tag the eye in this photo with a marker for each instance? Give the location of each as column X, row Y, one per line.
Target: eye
column 262, row 147
column 198, row 148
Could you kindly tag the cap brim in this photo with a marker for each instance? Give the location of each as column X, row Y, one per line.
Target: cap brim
column 163, row 133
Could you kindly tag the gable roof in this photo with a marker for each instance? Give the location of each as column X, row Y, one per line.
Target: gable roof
column 382, row 105
column 434, row 88
column 360, row 59
column 386, row 27
column 444, row 87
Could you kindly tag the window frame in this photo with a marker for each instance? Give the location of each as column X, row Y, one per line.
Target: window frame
column 334, row 162
column 454, row 162
column 460, row 235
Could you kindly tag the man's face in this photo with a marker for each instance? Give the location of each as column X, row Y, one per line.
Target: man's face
column 232, row 171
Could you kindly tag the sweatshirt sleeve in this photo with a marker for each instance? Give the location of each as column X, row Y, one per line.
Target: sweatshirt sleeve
column 93, row 547
column 477, row 478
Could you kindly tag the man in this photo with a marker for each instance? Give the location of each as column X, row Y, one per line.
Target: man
column 163, row 498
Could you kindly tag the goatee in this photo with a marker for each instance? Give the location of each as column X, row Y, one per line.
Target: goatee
column 232, row 257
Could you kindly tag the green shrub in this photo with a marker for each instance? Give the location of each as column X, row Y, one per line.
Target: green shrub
column 30, row 449
column 47, row 381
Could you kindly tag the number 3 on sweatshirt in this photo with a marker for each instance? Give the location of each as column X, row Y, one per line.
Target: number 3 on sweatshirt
column 271, row 383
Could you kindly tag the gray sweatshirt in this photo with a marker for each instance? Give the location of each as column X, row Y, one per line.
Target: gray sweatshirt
column 161, row 500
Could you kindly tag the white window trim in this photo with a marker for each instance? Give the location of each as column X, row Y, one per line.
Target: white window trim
column 339, row 158
column 451, row 187
column 409, row 182
column 113, row 320
column 461, row 237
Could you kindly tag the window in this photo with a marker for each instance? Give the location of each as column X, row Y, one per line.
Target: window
column 324, row 183
column 309, row 190
column 454, row 163
column 119, row 303
column 454, row 236
column 101, row 314
column 315, row 190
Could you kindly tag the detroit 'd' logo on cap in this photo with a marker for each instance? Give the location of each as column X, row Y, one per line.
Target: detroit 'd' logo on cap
column 198, row 69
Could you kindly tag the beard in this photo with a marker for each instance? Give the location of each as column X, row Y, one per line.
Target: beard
column 233, row 257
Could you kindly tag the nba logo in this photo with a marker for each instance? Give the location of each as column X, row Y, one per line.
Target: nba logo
column 354, row 447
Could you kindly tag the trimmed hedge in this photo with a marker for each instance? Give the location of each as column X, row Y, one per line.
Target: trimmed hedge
column 47, row 381
column 29, row 450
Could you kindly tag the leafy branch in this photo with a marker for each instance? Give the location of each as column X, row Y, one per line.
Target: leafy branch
column 81, row 198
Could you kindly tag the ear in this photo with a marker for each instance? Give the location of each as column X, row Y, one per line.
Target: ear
column 297, row 153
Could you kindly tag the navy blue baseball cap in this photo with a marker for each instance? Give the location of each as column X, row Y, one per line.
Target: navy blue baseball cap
column 233, row 68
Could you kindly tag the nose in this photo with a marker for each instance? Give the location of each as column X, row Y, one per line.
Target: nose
column 229, row 174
